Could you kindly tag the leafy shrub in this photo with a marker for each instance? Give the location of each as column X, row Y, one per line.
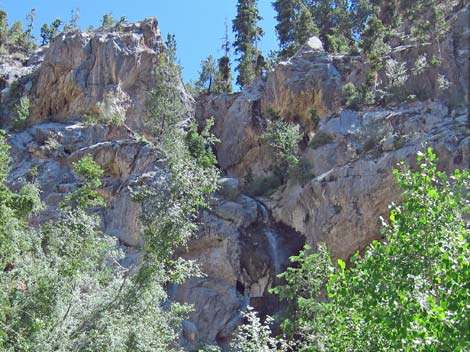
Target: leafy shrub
column 21, row 114
column 351, row 96
column 200, row 144
column 397, row 75
column 283, row 137
column 356, row 97
column 87, row 194
column 409, row 292
column 254, row 336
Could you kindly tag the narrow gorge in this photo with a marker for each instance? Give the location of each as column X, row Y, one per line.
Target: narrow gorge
column 341, row 188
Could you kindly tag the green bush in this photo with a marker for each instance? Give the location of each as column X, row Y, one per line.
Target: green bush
column 407, row 293
column 87, row 194
column 21, row 114
column 200, row 144
column 284, row 138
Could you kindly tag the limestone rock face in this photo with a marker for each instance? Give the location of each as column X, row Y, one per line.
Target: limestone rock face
column 238, row 123
column 240, row 249
column 352, row 157
column 452, row 51
column 81, row 70
column 306, row 84
column 45, row 154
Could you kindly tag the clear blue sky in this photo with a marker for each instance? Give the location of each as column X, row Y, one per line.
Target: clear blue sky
column 197, row 24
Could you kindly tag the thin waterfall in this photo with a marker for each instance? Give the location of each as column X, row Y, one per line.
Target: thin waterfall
column 273, row 239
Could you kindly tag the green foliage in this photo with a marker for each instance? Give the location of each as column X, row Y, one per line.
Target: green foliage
column 3, row 27
column 356, row 97
column 28, row 38
column 170, row 46
column 397, row 76
column 21, row 114
column 74, row 18
column 247, row 35
column 338, row 23
column 207, row 74
column 199, row 144
column 16, row 35
column 409, row 292
column 14, row 38
column 254, row 336
column 165, row 107
column 107, row 21
column 62, row 286
column 373, row 42
column 283, row 138
column 305, row 283
column 87, row 194
column 223, row 78
column 50, row 32
column 295, row 25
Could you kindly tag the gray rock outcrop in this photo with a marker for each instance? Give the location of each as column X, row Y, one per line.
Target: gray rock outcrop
column 306, row 85
column 82, row 69
column 351, row 159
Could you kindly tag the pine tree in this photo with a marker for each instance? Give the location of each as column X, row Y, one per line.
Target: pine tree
column 295, row 25
column 50, row 32
column 247, row 35
column 304, row 26
column 286, row 17
column 338, row 23
column 28, row 38
column 207, row 74
column 223, row 78
column 108, row 20
column 3, row 27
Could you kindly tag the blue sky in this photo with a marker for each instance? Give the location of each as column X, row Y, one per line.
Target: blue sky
column 198, row 24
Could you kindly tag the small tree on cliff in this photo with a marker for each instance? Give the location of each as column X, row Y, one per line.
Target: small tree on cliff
column 223, row 79
column 50, row 32
column 247, row 35
column 165, row 106
column 207, row 74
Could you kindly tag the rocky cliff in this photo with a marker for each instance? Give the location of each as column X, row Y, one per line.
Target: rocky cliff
column 342, row 187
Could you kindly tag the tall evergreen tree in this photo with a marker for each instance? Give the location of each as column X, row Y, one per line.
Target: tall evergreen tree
column 338, row 23
column 247, row 35
column 3, row 27
column 304, row 26
column 223, row 79
column 286, row 17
